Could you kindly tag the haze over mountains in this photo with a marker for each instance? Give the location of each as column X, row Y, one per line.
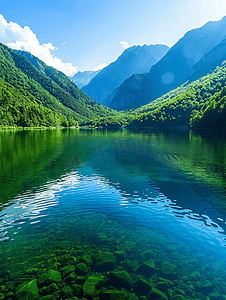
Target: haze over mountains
column 136, row 59
column 171, row 71
column 83, row 78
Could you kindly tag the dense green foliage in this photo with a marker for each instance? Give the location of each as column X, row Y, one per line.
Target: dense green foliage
column 17, row 109
column 46, row 87
column 214, row 115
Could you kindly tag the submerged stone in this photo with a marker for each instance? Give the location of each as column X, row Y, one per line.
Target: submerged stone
column 51, row 276
column 168, row 270
column 52, row 288
column 178, row 297
column 67, row 270
column 120, row 279
column 147, row 268
column 142, row 287
column 64, row 245
column 155, row 294
column 80, row 279
column 204, row 287
column 71, row 277
column 113, row 295
column 27, row 291
column 133, row 297
column 91, row 284
column 215, row 296
column 47, row 297
column 76, row 288
column 87, row 259
column 67, row 292
column 105, row 261
column 81, row 269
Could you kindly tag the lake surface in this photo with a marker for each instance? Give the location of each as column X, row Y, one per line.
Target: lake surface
column 142, row 212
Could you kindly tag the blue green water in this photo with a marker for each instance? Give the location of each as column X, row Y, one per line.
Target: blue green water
column 156, row 195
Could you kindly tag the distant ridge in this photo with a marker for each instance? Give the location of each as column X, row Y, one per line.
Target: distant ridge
column 136, row 59
column 171, row 71
column 83, row 78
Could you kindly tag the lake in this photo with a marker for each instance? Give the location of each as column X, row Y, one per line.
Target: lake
column 99, row 214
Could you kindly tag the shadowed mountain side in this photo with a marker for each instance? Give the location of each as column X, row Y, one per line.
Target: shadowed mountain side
column 171, row 70
column 136, row 59
column 208, row 63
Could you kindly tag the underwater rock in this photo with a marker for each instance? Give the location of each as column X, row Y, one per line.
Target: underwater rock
column 104, row 262
column 87, row 259
column 147, row 255
column 27, row 290
column 195, row 275
column 128, row 265
column 92, row 282
column 81, row 269
column 1, row 296
column 142, row 287
column 67, row 292
column 31, row 271
column 51, row 276
column 50, row 289
column 67, row 270
column 113, row 295
column 147, row 268
column 76, row 288
column 64, row 245
column 168, row 270
column 120, row 279
column 204, row 287
column 72, row 260
column 215, row 296
column 178, row 297
column 71, row 277
column 48, row 297
column 80, row 279
column 133, row 297
column 155, row 294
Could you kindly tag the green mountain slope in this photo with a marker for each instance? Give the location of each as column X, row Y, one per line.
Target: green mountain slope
column 214, row 115
column 16, row 109
column 48, row 86
column 189, row 104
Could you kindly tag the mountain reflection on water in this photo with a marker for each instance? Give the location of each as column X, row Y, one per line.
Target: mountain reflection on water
column 162, row 191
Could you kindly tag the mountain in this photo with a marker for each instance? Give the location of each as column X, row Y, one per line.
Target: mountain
column 136, row 59
column 46, row 87
column 171, row 71
column 208, row 62
column 83, row 78
column 186, row 105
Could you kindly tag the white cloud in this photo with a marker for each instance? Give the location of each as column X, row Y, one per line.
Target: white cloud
column 18, row 38
column 125, row 45
column 100, row 67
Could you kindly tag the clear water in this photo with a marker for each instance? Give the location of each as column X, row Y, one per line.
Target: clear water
column 156, row 195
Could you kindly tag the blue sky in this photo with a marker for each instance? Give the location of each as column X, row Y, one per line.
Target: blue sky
column 81, row 35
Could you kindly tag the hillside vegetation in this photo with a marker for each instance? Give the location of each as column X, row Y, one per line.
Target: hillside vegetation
column 49, row 88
